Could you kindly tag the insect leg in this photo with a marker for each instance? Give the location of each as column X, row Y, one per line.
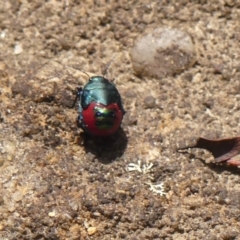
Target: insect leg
column 78, row 94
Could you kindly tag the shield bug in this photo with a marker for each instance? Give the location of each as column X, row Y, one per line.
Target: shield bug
column 100, row 107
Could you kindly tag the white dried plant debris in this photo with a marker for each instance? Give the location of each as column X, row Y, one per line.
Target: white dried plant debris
column 142, row 168
column 145, row 169
column 134, row 167
column 157, row 188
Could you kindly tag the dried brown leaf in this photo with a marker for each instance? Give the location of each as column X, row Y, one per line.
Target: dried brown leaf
column 223, row 150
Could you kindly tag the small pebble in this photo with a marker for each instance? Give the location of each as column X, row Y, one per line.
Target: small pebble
column 97, row 214
column 11, row 206
column 75, row 231
column 163, row 52
column 130, row 94
column 91, row 230
column 9, row 147
column 2, row 158
column 149, row 102
column 8, row 150
column 52, row 214
column 18, row 49
column 1, row 227
column 17, row 196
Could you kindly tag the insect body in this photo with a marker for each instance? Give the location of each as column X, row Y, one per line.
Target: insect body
column 100, row 107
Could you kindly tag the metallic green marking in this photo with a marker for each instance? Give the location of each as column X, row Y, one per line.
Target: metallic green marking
column 105, row 118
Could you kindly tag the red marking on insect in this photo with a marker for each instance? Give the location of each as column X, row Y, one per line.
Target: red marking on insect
column 102, row 120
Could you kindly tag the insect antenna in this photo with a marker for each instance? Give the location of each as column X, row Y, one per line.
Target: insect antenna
column 105, row 69
column 80, row 70
column 75, row 68
column 79, row 89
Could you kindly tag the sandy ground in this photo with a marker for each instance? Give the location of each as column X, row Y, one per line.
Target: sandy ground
column 55, row 184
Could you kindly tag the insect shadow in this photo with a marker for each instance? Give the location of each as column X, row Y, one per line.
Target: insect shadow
column 105, row 149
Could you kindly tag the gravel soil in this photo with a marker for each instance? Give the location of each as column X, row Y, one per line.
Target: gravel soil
column 57, row 183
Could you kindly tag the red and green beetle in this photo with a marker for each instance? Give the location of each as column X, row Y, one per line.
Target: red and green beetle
column 100, row 107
